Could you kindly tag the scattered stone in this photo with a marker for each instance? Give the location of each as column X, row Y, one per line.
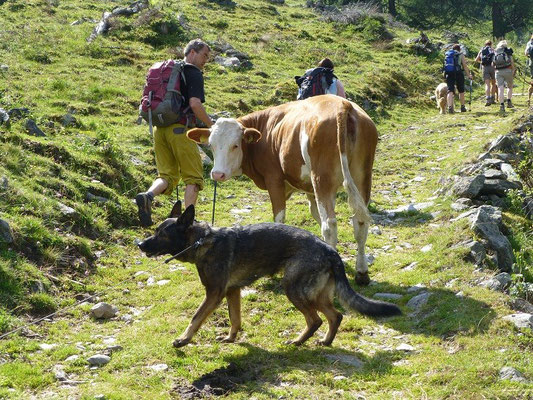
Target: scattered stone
column 506, row 143
column 4, row 184
column 410, row 267
column 72, row 358
column 520, row 320
column 511, row 374
column 163, row 282
column 92, row 197
column 248, row 292
column 468, row 187
column 499, row 282
column 416, row 288
column 59, row 372
column 419, row 301
column 158, row 367
column 370, row 259
column 4, row 117
column 462, row 204
column 521, row 305
column 103, row 311
column 388, row 296
column 426, row 248
column 6, row 234
column 46, row 346
column 98, row 360
column 228, row 62
column 405, row 347
column 375, row 230
column 345, row 359
column 66, row 210
column 498, row 186
column 69, row 120
column 33, row 129
column 510, row 173
column 476, row 252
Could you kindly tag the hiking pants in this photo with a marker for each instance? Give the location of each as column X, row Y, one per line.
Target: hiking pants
column 454, row 79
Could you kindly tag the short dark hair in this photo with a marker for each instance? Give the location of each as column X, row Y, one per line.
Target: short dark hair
column 326, row 63
column 488, row 43
column 196, row 45
column 456, row 47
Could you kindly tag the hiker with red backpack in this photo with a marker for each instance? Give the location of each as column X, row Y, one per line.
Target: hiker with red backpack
column 485, row 58
column 319, row 80
column 454, row 69
column 505, row 71
column 172, row 101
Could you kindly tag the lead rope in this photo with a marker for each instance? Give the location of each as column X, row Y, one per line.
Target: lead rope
column 214, row 202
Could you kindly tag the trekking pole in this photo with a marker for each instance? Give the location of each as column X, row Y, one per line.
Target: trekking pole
column 214, row 202
column 470, row 99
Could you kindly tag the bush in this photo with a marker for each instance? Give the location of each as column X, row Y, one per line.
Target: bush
column 6, row 321
column 42, row 303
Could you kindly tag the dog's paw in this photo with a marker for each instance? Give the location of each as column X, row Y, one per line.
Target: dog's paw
column 324, row 342
column 180, row 342
column 293, row 342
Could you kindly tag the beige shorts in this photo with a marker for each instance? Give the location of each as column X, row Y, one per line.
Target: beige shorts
column 504, row 75
column 488, row 72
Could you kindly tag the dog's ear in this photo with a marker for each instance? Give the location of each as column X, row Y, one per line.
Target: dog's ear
column 187, row 218
column 176, row 210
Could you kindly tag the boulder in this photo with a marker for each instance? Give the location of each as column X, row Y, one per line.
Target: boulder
column 520, row 320
column 498, row 186
column 33, row 129
column 468, row 187
column 103, row 311
column 476, row 252
column 487, row 222
column 6, row 234
column 511, row 374
column 505, row 143
column 499, row 282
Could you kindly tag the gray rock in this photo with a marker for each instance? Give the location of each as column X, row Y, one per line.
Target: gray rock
column 468, row 187
column 505, row 143
column 499, row 282
column 416, row 288
column 527, row 207
column 6, row 234
column 511, row 374
column 4, row 183
column 461, row 204
column 69, row 120
column 418, row 301
column 4, row 117
column 487, row 222
column 476, row 252
column 92, row 197
column 497, row 201
column 33, row 129
column 510, row 172
column 491, row 163
column 103, row 311
column 98, row 360
column 520, row 320
column 230, row 62
column 159, row 367
column 521, row 305
column 495, row 174
column 345, row 359
column 498, row 186
column 66, row 210
column 388, row 296
column 59, row 373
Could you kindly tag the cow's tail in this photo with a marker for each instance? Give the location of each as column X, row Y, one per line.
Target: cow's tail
column 355, row 200
column 352, row 300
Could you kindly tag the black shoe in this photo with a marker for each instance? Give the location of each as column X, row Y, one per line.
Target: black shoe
column 509, row 104
column 450, row 110
column 489, row 102
column 502, row 107
column 145, row 208
column 463, row 109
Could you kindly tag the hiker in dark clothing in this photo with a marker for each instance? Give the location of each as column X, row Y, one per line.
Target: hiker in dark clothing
column 454, row 69
column 529, row 55
column 175, row 155
column 485, row 57
column 336, row 86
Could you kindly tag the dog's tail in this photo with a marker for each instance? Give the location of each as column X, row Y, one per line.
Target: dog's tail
column 354, row 301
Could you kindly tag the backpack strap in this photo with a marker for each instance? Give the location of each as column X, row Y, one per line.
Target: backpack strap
column 177, row 72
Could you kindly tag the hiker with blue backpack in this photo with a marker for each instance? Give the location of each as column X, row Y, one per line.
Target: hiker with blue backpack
column 505, row 71
column 529, row 55
column 485, row 58
column 454, row 69
column 319, row 80
column 172, row 101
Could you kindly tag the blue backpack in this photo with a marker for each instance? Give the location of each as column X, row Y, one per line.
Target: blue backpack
column 451, row 61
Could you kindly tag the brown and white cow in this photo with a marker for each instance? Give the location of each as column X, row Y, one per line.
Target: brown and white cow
column 315, row 146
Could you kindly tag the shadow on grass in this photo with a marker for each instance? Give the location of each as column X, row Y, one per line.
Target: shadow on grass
column 260, row 370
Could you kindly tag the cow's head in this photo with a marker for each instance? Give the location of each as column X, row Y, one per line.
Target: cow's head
column 226, row 138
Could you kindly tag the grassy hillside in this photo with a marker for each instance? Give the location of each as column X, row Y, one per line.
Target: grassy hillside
column 67, row 196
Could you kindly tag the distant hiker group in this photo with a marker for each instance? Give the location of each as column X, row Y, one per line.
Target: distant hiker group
column 498, row 70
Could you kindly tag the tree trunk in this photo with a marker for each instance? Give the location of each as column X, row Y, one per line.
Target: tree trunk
column 498, row 24
column 392, row 8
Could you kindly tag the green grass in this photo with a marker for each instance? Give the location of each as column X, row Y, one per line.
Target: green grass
column 460, row 342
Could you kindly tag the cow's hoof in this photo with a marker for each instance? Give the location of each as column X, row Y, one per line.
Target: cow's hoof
column 362, row 279
column 180, row 342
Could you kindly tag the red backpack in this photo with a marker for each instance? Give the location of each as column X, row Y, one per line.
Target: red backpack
column 162, row 103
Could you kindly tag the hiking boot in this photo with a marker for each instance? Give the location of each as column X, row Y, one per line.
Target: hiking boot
column 144, row 202
column 450, row 110
column 463, row 108
column 509, row 104
column 489, row 102
column 502, row 107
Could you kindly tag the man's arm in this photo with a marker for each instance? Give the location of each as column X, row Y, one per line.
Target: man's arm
column 199, row 111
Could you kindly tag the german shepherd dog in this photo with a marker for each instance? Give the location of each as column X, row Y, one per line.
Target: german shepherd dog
column 228, row 259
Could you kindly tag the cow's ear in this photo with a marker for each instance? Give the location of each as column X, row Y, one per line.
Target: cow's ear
column 176, row 210
column 251, row 135
column 199, row 135
column 187, row 218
